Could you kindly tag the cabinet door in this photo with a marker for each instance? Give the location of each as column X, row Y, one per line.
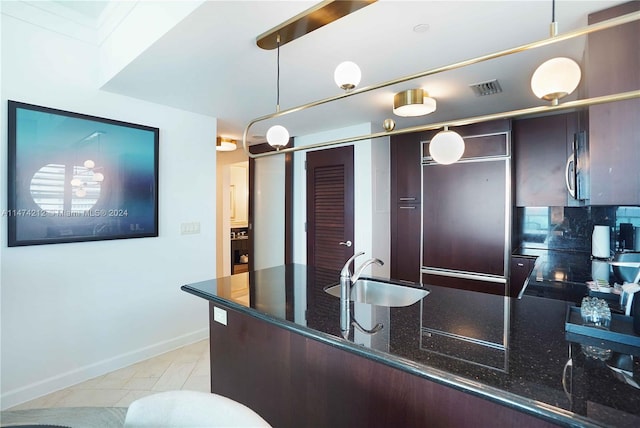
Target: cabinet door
column 540, row 152
column 405, row 168
column 406, row 185
column 464, row 216
column 613, row 65
column 521, row 268
column 405, row 242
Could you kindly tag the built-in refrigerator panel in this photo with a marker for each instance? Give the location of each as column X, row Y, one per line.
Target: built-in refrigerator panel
column 466, row 241
column 466, row 215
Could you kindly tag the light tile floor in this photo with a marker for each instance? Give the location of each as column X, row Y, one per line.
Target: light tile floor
column 183, row 368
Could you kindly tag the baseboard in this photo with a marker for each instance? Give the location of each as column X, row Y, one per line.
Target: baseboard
column 73, row 377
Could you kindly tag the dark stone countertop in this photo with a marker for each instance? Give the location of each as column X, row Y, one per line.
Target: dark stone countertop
column 558, row 273
column 506, row 350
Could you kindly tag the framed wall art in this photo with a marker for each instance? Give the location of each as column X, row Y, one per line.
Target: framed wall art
column 74, row 177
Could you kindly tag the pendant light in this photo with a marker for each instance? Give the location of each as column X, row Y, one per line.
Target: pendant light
column 347, row 75
column 277, row 135
column 412, row 103
column 557, row 77
column 446, row 147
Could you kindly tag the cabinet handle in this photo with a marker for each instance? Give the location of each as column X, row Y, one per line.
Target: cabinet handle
column 570, row 176
column 521, row 264
column 407, row 208
column 346, row 244
column 568, row 364
column 407, row 199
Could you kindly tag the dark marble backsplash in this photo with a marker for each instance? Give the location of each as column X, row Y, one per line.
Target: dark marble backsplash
column 570, row 228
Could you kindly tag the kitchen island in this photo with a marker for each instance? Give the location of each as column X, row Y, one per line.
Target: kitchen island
column 455, row 358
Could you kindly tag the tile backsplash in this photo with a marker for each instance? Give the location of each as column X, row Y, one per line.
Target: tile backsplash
column 570, row 228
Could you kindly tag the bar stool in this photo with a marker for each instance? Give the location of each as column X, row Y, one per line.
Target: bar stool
column 192, row 409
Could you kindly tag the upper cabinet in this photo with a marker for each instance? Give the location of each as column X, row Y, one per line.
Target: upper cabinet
column 406, row 212
column 612, row 66
column 543, row 152
column 406, row 168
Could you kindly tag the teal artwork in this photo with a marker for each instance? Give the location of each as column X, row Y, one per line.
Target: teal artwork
column 74, row 177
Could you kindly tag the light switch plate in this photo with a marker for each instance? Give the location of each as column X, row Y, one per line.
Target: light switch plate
column 191, row 228
column 220, row 315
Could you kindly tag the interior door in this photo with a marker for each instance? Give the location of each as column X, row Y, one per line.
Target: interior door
column 330, row 207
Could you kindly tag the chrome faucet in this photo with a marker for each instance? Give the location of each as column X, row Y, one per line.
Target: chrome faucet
column 363, row 266
column 346, row 281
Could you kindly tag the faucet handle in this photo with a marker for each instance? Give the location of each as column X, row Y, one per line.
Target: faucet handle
column 363, row 266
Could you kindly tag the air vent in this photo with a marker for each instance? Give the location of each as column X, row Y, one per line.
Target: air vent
column 489, row 87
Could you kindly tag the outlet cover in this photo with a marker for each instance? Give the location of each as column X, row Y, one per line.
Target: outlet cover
column 220, row 315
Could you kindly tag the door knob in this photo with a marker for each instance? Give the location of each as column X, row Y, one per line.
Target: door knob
column 346, row 244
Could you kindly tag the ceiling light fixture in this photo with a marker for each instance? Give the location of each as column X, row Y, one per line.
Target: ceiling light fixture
column 347, row 75
column 446, row 147
column 413, row 102
column 225, row 144
column 277, row 135
column 569, row 105
column 311, row 19
column 557, row 77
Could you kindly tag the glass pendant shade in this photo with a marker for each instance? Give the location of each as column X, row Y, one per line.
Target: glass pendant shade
column 278, row 136
column 446, row 147
column 89, row 164
column 412, row 103
column 225, row 144
column 347, row 75
column 555, row 78
column 98, row 176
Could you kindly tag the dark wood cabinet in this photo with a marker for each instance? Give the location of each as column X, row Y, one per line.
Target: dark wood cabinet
column 406, row 161
column 405, row 243
column 293, row 380
column 406, row 208
column 464, row 217
column 461, row 215
column 612, row 66
column 466, row 211
column 541, row 147
column 521, row 268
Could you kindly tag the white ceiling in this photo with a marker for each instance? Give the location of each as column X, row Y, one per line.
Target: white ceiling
column 210, row 64
column 91, row 9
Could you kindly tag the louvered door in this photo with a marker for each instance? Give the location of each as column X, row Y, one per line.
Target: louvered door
column 329, row 207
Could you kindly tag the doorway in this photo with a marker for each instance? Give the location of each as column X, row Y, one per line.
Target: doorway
column 231, row 208
column 239, row 216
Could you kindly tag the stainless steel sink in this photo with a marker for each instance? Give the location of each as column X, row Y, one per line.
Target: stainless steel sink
column 380, row 293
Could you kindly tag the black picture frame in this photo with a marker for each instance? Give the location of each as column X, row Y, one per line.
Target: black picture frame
column 73, row 177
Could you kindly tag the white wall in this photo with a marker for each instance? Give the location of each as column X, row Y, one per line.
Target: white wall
column 268, row 223
column 70, row 312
